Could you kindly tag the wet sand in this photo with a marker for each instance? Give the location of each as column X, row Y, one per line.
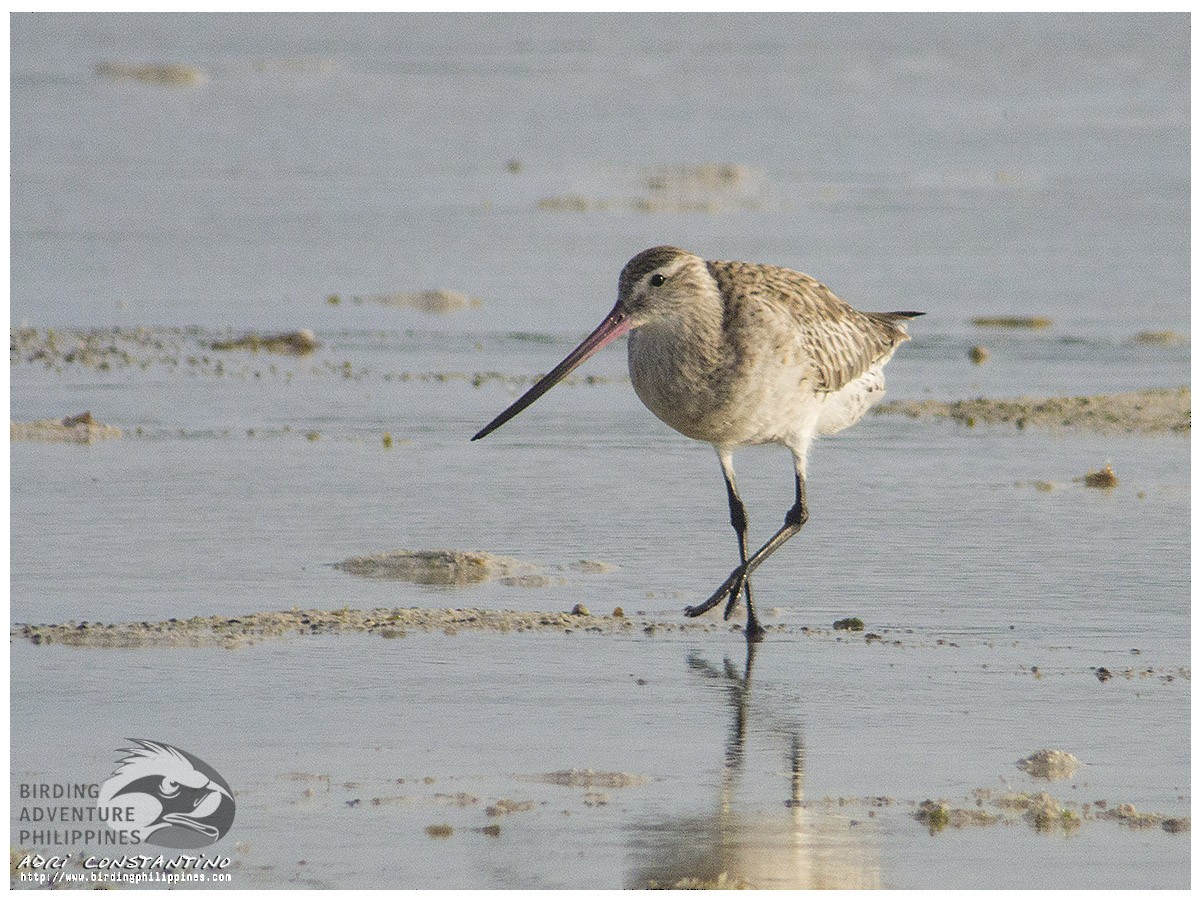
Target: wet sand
column 366, row 742
column 1145, row 412
column 250, row 628
column 729, row 780
column 221, row 354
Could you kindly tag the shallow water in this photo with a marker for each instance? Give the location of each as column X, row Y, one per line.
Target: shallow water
column 922, row 164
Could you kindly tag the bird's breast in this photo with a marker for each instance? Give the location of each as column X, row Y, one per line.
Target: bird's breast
column 709, row 390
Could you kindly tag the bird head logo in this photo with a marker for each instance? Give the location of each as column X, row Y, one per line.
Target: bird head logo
column 167, row 797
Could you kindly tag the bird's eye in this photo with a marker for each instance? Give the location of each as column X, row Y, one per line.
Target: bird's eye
column 657, row 279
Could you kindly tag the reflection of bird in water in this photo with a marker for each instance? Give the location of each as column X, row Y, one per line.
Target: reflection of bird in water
column 760, row 835
column 737, row 354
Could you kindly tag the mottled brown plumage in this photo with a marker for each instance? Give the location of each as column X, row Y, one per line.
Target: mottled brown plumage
column 737, row 353
column 842, row 342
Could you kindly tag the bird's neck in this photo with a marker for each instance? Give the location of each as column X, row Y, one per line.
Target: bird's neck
column 683, row 348
column 695, row 330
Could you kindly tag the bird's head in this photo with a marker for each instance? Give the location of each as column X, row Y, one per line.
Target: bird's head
column 660, row 282
column 655, row 284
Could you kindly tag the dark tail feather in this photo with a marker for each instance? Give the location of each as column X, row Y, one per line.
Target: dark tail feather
column 896, row 321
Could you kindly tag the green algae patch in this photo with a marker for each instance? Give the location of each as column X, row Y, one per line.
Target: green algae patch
column 853, row 623
column 297, row 343
column 1030, row 322
column 934, row 814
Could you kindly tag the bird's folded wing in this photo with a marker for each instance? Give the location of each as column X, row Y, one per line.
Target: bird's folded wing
column 840, row 342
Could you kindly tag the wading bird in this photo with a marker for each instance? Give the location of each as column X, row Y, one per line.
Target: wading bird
column 737, row 353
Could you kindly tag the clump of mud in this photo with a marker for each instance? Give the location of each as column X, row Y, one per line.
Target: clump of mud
column 1044, row 487
column 441, row 567
column 79, row 429
column 592, row 567
column 506, row 807
column 438, row 300
column 530, row 581
column 1046, row 813
column 297, row 343
column 1050, row 764
column 704, row 188
column 1127, row 814
column 1033, row 322
column 938, row 815
column 1156, row 410
column 1160, row 338
column 1102, row 478
column 294, row 65
column 587, row 778
column 166, row 74
column 1041, row 810
column 722, row 882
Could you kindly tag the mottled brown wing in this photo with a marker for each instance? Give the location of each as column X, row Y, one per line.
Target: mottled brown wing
column 840, row 342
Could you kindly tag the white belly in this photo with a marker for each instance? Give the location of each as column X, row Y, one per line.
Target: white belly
column 843, row 408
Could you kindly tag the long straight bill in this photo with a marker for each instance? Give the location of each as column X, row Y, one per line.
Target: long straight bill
column 614, row 325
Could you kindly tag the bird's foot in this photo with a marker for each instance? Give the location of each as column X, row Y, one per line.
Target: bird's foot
column 722, row 592
column 755, row 632
column 692, row 611
column 735, row 594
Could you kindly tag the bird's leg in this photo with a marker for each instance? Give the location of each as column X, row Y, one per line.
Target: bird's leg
column 737, row 513
column 792, row 523
column 737, row 518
